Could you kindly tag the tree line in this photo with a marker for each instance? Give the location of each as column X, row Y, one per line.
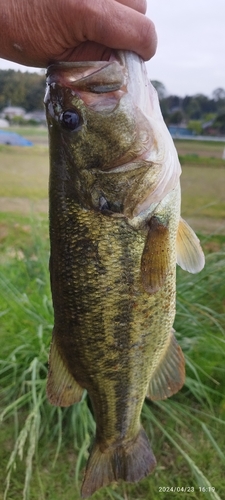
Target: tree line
column 21, row 89
column 198, row 112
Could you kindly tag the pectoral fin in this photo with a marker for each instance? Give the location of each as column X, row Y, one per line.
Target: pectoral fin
column 155, row 257
column 169, row 375
column 189, row 252
column 62, row 388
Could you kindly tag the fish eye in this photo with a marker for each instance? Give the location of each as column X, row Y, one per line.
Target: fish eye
column 70, row 119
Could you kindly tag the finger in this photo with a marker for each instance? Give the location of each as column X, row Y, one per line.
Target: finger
column 87, row 51
column 127, row 30
column 138, row 5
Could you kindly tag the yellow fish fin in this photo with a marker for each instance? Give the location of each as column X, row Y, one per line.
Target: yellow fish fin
column 130, row 461
column 156, row 256
column 189, row 252
column 62, row 388
column 169, row 375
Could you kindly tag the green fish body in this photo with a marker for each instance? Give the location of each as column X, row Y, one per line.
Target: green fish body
column 116, row 235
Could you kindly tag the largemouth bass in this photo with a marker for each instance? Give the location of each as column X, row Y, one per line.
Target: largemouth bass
column 116, row 235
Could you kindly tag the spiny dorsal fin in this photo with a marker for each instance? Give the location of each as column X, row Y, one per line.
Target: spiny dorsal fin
column 190, row 256
column 130, row 461
column 169, row 374
column 62, row 388
column 155, row 257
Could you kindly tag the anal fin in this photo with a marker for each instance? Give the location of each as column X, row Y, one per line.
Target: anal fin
column 62, row 388
column 190, row 256
column 169, row 375
column 128, row 461
column 156, row 256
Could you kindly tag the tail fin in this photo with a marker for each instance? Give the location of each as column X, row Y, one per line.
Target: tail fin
column 130, row 462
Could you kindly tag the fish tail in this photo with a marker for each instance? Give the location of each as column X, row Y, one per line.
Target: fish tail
column 130, row 462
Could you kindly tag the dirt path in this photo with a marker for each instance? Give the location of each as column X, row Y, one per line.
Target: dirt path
column 23, row 205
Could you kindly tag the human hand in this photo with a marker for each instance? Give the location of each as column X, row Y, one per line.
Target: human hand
column 41, row 32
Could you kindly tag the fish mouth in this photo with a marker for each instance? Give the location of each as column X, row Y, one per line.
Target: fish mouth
column 99, row 84
column 90, row 76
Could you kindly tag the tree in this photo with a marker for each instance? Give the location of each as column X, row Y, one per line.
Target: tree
column 195, row 126
column 21, row 89
column 161, row 89
column 35, row 95
column 218, row 94
column 219, row 123
column 176, row 118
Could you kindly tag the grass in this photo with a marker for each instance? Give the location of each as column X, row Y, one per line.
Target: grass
column 196, row 161
column 203, row 193
column 24, row 178
column 43, row 449
column 50, row 445
column 37, row 131
column 200, row 149
column 37, row 134
column 24, row 172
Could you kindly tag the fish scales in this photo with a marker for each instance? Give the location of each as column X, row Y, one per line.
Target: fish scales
column 114, row 227
column 104, row 282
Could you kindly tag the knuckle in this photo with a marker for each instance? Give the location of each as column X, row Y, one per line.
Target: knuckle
column 141, row 6
column 144, row 6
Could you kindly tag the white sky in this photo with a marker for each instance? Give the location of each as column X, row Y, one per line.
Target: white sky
column 190, row 57
column 191, row 49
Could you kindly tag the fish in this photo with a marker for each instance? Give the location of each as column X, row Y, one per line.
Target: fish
column 115, row 237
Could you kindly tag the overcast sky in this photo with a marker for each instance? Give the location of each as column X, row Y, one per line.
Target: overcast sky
column 191, row 49
column 191, row 45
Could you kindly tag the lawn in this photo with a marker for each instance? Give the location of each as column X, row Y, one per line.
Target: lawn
column 201, row 149
column 24, row 180
column 24, row 172
column 37, row 135
column 50, row 445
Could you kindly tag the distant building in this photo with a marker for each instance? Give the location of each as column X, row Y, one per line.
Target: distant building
column 180, row 131
column 38, row 116
column 12, row 111
column 4, row 123
column 209, row 129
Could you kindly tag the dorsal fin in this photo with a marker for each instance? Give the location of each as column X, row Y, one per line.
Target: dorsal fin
column 190, row 256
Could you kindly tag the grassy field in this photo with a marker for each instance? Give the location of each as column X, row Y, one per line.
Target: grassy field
column 24, row 179
column 200, row 149
column 50, row 446
column 37, row 135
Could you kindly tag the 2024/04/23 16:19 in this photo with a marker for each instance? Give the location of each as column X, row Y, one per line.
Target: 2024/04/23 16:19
column 185, row 489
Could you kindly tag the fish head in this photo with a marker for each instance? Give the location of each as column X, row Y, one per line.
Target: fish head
column 89, row 104
column 106, row 128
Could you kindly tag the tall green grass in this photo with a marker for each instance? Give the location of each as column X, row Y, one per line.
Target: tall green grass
column 48, row 446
